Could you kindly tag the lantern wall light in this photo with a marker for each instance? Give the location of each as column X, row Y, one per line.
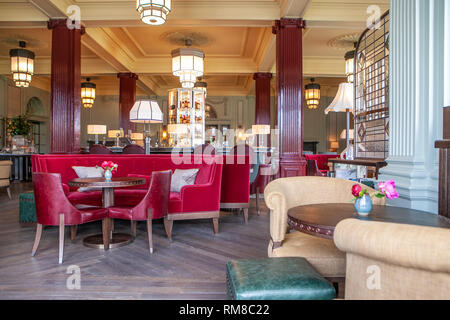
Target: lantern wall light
column 153, row 12
column 22, row 65
column 350, row 65
column 88, row 93
column 312, row 95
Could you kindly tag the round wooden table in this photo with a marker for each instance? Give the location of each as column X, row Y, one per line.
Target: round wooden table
column 117, row 239
column 321, row 219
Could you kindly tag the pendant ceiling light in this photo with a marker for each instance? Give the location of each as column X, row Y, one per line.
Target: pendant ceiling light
column 312, row 95
column 22, row 65
column 187, row 63
column 201, row 85
column 88, row 93
column 153, row 12
column 350, row 65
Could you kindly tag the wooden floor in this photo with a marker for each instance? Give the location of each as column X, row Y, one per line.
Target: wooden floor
column 190, row 267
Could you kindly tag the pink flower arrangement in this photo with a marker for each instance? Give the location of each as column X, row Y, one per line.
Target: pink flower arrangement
column 109, row 166
column 386, row 189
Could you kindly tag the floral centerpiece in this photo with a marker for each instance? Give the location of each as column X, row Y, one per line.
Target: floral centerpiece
column 363, row 199
column 109, row 167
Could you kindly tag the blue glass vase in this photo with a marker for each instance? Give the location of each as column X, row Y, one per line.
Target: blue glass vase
column 108, row 175
column 364, row 205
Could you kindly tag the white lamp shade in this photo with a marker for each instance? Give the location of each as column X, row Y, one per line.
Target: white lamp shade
column 137, row 136
column 96, row 129
column 344, row 134
column 146, row 111
column 344, row 99
column 261, row 129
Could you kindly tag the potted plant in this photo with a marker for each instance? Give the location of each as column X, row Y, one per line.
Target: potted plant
column 19, row 128
column 363, row 199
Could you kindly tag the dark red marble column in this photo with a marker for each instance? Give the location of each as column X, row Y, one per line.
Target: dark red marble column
column 65, row 87
column 290, row 96
column 262, row 97
column 127, row 98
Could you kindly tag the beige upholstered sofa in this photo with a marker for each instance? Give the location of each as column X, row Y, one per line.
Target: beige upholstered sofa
column 394, row 261
column 281, row 195
column 5, row 171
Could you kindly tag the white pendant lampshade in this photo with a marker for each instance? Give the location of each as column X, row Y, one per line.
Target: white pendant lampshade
column 146, row 111
column 88, row 93
column 344, row 99
column 187, row 64
column 350, row 66
column 22, row 65
column 153, row 12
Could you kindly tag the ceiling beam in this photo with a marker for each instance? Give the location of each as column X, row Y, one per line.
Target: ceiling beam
column 294, row 8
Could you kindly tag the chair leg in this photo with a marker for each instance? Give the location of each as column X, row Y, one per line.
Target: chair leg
column 133, row 228
column 216, row 225
column 168, row 225
column 149, row 233
column 246, row 215
column 61, row 237
column 257, row 201
column 73, row 232
column 105, row 233
column 37, row 239
column 9, row 193
column 111, row 223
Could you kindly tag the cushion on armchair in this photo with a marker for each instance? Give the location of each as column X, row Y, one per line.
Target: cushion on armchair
column 276, row 279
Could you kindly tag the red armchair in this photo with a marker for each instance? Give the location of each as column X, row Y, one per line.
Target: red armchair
column 133, row 149
column 263, row 178
column 54, row 209
column 99, row 149
column 153, row 206
column 313, row 170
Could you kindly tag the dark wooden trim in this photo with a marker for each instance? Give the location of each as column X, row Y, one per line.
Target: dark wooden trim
column 444, row 177
column 446, row 131
column 289, row 60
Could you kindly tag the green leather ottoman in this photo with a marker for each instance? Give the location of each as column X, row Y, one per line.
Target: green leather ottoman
column 276, row 279
column 27, row 208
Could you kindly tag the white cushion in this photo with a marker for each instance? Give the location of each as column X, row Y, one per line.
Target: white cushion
column 88, row 172
column 181, row 178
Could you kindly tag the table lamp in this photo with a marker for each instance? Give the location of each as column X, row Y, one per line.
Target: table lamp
column 116, row 134
column 96, row 129
column 343, row 102
column 334, row 145
column 146, row 112
column 137, row 137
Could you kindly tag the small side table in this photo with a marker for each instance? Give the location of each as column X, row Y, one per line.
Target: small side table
column 117, row 239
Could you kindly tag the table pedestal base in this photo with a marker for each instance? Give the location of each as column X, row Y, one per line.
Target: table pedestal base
column 117, row 240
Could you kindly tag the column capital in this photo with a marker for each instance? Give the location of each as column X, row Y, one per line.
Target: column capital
column 288, row 23
column 127, row 75
column 262, row 75
column 53, row 23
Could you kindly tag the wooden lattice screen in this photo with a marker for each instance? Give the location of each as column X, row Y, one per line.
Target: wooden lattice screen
column 372, row 92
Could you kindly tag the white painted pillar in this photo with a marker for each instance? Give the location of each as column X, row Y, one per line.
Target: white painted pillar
column 417, row 76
